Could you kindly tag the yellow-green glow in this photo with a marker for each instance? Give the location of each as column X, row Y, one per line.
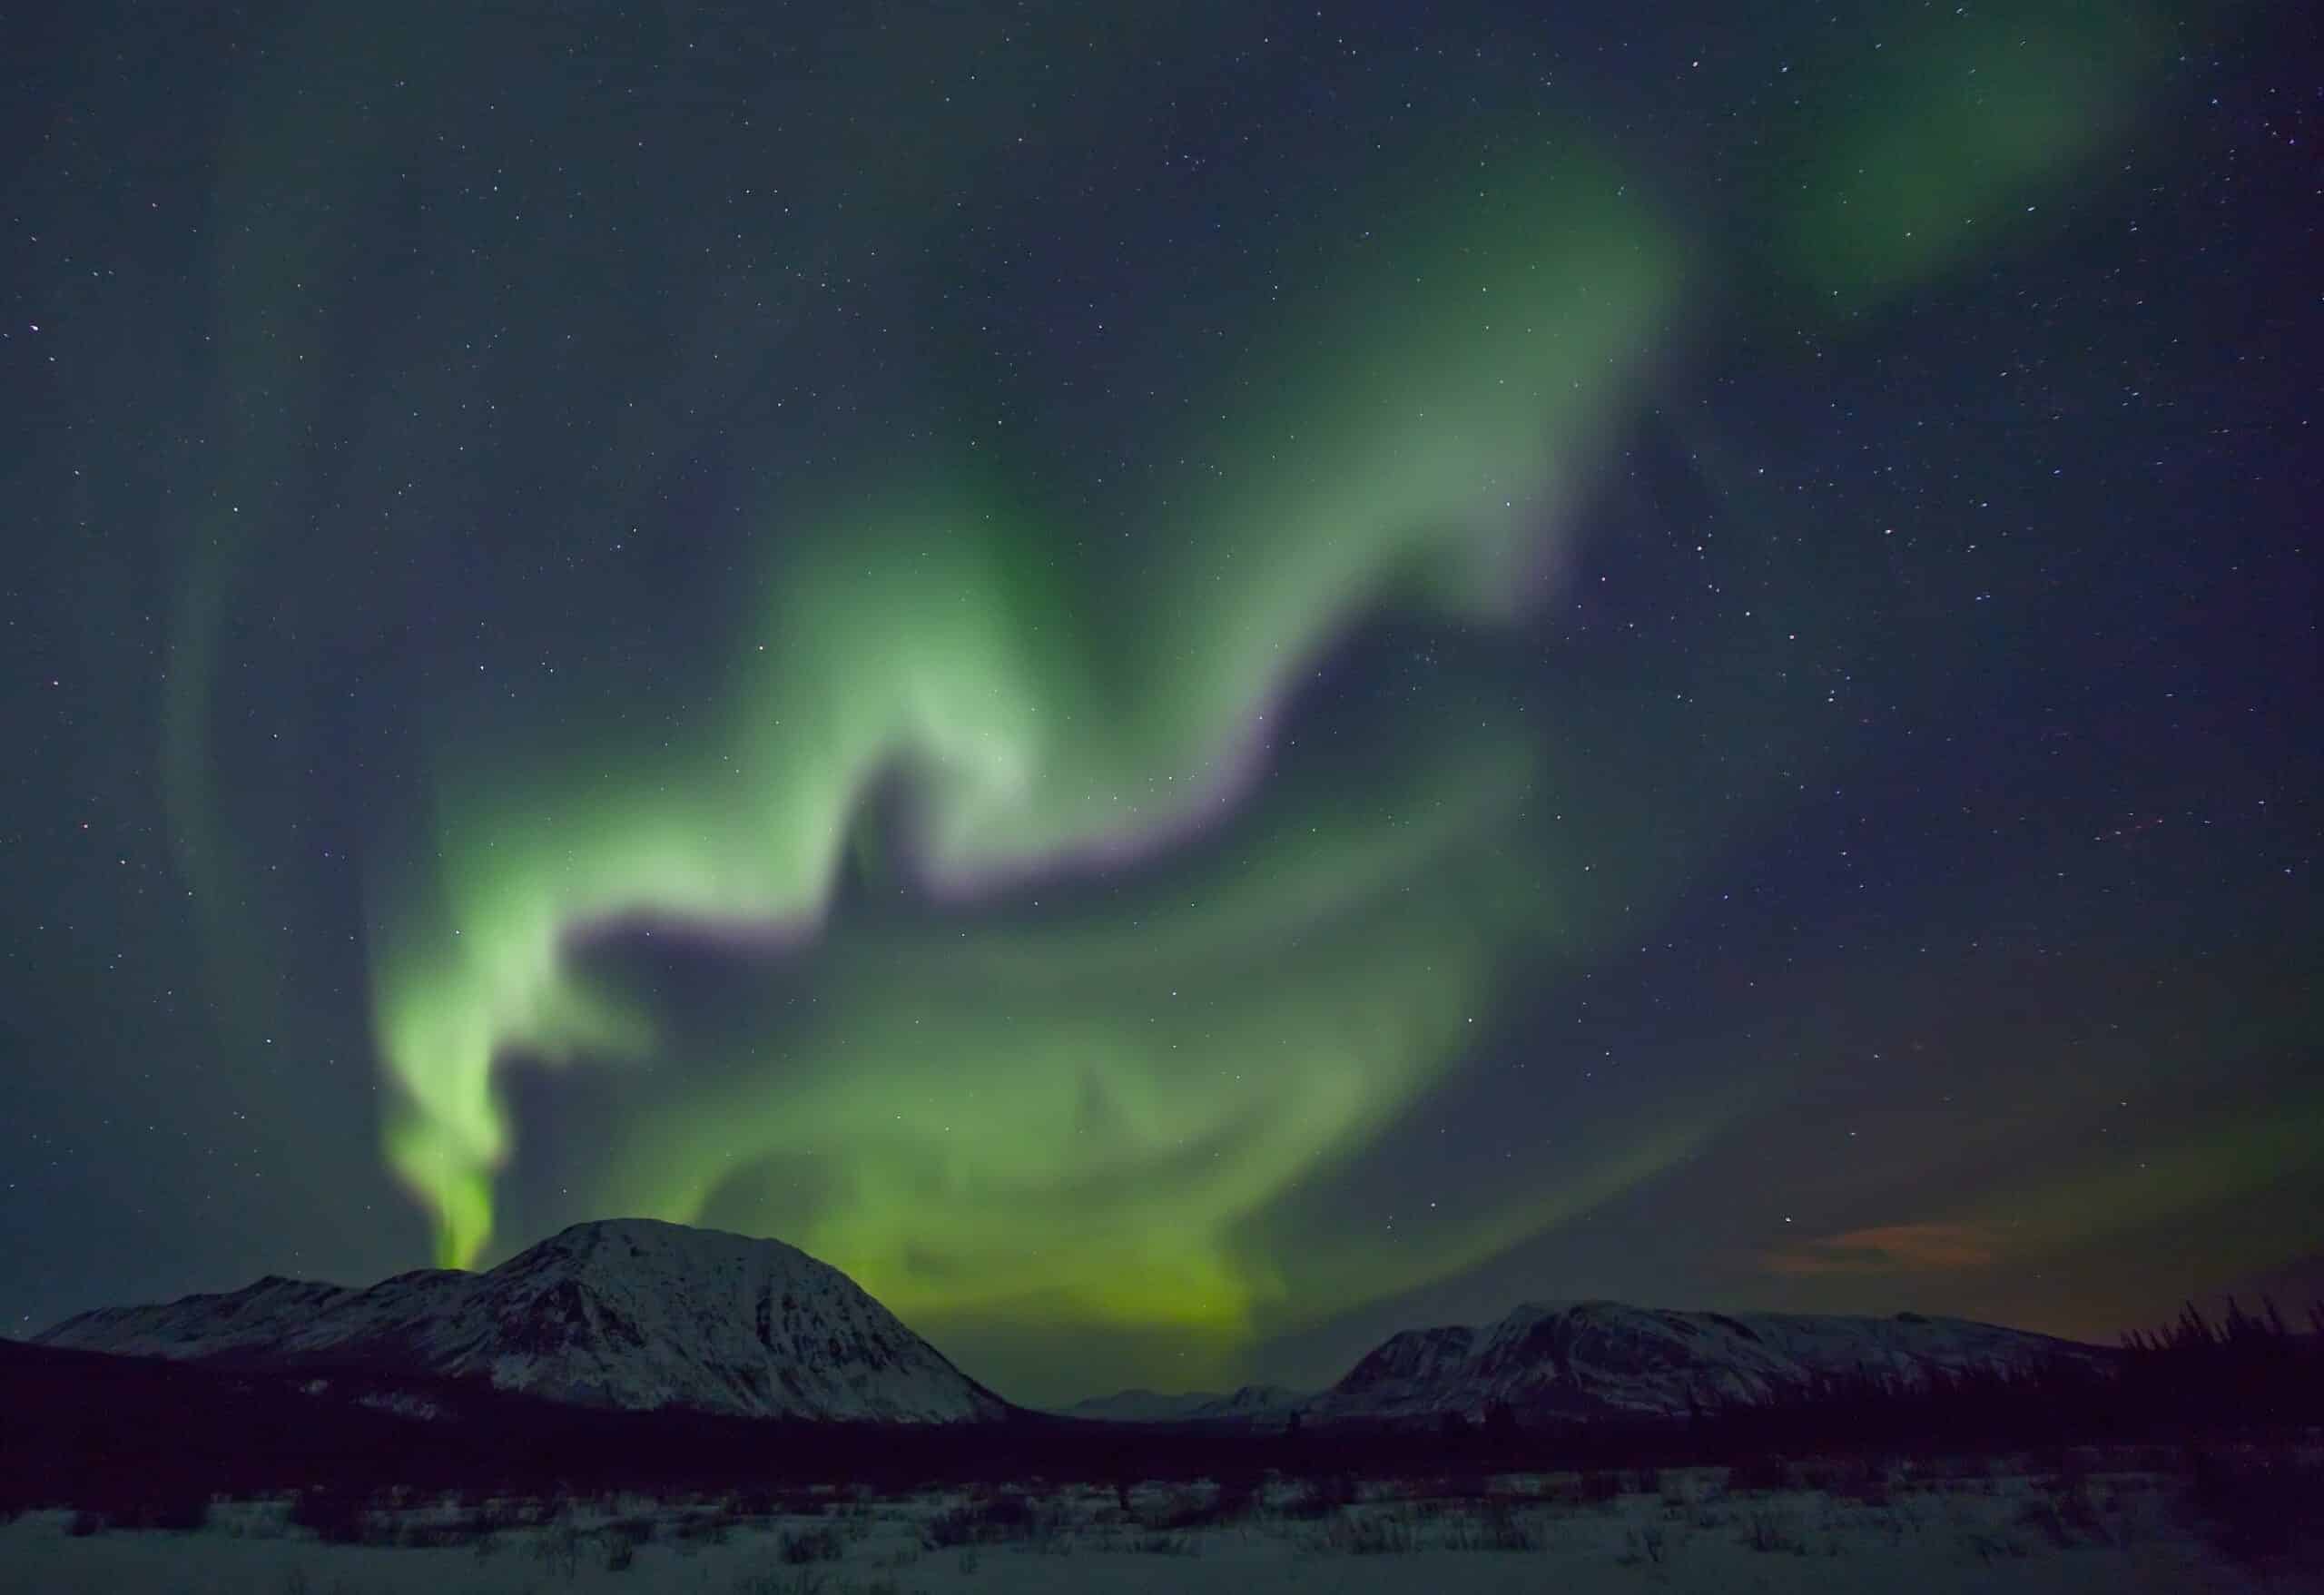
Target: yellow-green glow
column 1957, row 129
column 1091, row 1117
column 2207, row 1167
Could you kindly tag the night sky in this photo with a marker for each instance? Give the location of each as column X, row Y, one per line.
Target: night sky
column 1184, row 685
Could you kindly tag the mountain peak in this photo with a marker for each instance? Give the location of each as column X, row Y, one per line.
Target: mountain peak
column 1576, row 1358
column 626, row 1244
column 1250, row 1403
column 626, row 1312
column 1595, row 1358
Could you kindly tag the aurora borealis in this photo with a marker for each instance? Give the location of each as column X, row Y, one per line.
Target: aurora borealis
column 940, row 637
column 1178, row 685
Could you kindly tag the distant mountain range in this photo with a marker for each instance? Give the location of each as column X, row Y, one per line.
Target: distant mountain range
column 1252, row 1404
column 626, row 1313
column 1582, row 1360
column 633, row 1314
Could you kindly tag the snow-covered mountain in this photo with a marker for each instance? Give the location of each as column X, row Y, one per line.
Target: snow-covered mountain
column 1251, row 1402
column 624, row 1312
column 1603, row 1359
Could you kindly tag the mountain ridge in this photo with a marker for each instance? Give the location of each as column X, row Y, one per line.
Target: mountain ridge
column 1579, row 1360
column 640, row 1315
column 624, row 1313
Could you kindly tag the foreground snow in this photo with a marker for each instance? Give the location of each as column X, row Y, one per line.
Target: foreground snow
column 2112, row 1533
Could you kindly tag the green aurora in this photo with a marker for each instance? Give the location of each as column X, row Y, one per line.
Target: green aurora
column 1009, row 1112
column 979, row 1093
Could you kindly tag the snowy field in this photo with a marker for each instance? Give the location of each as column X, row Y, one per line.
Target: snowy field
column 1682, row 1531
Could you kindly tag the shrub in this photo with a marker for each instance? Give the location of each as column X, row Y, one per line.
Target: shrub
column 805, row 1581
column 1647, row 1545
column 1006, row 1516
column 638, row 1529
column 955, row 1525
column 2253, row 1509
column 1764, row 1471
column 1987, row 1546
column 428, row 1536
column 1471, row 1484
column 1232, row 1497
column 337, row 1517
column 152, row 1503
column 1373, row 1533
column 696, row 1532
column 178, row 1506
column 1321, row 1498
column 2041, row 1515
column 1495, row 1527
column 2078, row 1506
column 805, row 1545
column 1862, row 1479
column 1774, row 1531
column 559, row 1550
